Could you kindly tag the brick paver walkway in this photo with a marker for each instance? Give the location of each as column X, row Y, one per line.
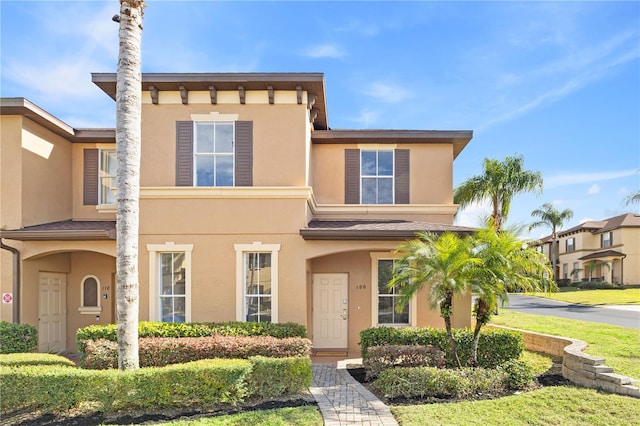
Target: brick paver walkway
column 344, row 401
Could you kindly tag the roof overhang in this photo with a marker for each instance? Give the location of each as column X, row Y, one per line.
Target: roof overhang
column 458, row 138
column 606, row 254
column 394, row 230
column 312, row 83
column 64, row 231
column 27, row 109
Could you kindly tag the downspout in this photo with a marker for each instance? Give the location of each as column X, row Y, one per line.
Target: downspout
column 16, row 280
column 622, row 269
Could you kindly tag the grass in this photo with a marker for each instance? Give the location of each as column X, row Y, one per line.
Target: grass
column 620, row 346
column 562, row 405
column 627, row 296
column 299, row 416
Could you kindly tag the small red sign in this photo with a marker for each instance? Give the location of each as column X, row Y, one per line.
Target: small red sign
column 7, row 298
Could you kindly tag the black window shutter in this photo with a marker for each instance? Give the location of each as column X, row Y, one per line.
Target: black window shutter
column 401, row 171
column 184, row 153
column 90, row 184
column 244, row 153
column 352, row 176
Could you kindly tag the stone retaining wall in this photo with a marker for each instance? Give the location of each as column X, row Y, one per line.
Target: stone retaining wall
column 577, row 366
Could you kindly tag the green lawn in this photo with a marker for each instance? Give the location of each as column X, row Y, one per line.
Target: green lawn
column 628, row 296
column 299, row 416
column 620, row 346
column 561, row 405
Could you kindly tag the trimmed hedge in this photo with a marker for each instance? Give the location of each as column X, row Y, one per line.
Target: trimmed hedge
column 23, row 359
column 421, row 382
column 192, row 329
column 17, row 338
column 380, row 358
column 55, row 388
column 494, row 347
column 158, row 352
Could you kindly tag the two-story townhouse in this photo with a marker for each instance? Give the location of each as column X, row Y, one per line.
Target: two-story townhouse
column 603, row 250
column 251, row 209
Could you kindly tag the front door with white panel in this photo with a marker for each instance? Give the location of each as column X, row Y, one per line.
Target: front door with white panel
column 330, row 311
column 52, row 316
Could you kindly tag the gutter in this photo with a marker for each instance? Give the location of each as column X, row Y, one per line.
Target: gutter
column 16, row 280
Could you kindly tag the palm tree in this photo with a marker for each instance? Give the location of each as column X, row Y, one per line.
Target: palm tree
column 632, row 198
column 128, row 118
column 500, row 182
column 507, row 264
column 444, row 264
column 553, row 219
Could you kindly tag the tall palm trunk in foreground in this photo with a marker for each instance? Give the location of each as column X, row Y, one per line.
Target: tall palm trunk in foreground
column 128, row 116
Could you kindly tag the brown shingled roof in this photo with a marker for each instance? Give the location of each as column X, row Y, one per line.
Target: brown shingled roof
column 64, row 230
column 374, row 229
column 601, row 254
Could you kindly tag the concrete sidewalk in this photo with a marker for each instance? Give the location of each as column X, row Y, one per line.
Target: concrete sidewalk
column 343, row 400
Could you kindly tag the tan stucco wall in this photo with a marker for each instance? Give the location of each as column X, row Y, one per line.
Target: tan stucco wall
column 431, row 168
column 629, row 239
column 279, row 135
column 10, row 171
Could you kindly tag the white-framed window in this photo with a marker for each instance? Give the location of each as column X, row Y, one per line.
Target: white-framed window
column 257, row 282
column 108, row 170
column 570, row 245
column 565, row 270
column 576, row 271
column 170, row 282
column 90, row 295
column 607, row 239
column 213, row 153
column 376, row 176
column 383, row 300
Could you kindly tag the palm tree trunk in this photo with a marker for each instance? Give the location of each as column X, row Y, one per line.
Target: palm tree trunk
column 445, row 312
column 128, row 140
column 482, row 317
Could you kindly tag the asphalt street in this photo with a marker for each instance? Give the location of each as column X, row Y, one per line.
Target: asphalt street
column 624, row 316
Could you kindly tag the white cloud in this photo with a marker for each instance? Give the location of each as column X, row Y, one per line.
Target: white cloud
column 367, row 118
column 325, row 51
column 387, row 92
column 474, row 215
column 575, row 178
column 593, row 189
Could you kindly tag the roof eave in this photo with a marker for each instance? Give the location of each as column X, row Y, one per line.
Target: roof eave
column 58, row 235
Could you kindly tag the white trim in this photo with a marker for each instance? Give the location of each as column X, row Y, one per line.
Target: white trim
column 173, row 192
column 377, row 146
column 241, row 249
column 413, row 313
column 168, row 247
column 90, row 310
column 213, row 117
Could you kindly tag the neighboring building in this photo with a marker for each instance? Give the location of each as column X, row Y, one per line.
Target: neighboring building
column 251, row 209
column 603, row 250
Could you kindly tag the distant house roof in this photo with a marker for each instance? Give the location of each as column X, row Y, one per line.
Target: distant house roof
column 374, row 229
column 627, row 220
column 26, row 108
column 64, row 230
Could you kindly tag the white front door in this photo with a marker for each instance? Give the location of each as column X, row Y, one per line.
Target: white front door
column 52, row 326
column 330, row 311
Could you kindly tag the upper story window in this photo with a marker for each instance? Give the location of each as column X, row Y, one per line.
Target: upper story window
column 570, row 245
column 376, row 172
column 606, row 239
column 213, row 154
column 377, row 176
column 108, row 174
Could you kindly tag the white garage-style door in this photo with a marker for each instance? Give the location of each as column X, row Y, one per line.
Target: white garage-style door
column 330, row 311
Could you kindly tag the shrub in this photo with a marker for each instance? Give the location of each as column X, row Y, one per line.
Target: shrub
column 593, row 285
column 380, row 358
column 157, row 352
column 52, row 389
column 272, row 377
column 17, row 338
column 191, row 329
column 23, row 359
column 494, row 347
column 517, row 374
column 420, row 382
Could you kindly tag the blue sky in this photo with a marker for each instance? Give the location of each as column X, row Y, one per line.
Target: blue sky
column 555, row 82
